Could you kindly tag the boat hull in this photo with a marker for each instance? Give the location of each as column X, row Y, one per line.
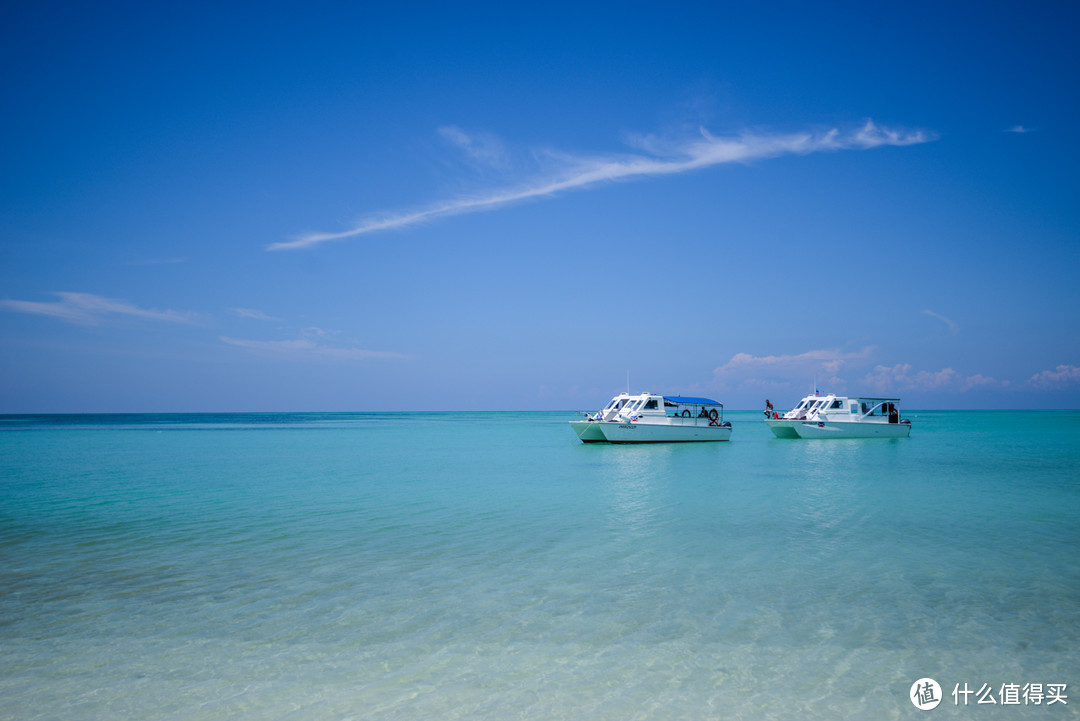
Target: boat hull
column 616, row 432
column 842, row 429
column 588, row 431
column 782, row 428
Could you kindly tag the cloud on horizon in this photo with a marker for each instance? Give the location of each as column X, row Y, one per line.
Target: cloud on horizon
column 1063, row 375
column 90, row 309
column 578, row 173
column 885, row 379
column 780, row 372
column 827, row 360
column 830, row 369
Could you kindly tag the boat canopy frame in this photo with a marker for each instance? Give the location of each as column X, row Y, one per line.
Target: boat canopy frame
column 690, row 401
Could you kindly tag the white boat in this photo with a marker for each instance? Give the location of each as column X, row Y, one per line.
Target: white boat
column 650, row 418
column 588, row 429
column 783, row 426
column 833, row 416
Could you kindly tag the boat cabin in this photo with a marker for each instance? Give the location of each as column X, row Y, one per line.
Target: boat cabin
column 680, row 409
column 613, row 407
column 844, row 408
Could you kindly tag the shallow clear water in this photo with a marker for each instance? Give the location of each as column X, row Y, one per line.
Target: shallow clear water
column 490, row 566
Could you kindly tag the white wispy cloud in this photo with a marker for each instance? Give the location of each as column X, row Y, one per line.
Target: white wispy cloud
column 157, row 261
column 828, row 360
column 978, row 380
column 953, row 327
column 252, row 314
column 308, row 347
column 832, row 368
column 1063, row 375
column 776, row 373
column 664, row 158
column 90, row 309
column 316, row 332
column 483, row 149
column 1018, row 129
column 901, row 377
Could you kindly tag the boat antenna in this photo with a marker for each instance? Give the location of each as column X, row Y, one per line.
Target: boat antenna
column 627, row 382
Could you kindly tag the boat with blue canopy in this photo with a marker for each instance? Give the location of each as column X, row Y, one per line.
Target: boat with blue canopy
column 652, row 418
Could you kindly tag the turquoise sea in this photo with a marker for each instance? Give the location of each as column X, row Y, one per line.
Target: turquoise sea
column 489, row 566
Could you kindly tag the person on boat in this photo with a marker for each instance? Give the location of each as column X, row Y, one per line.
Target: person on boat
column 768, row 408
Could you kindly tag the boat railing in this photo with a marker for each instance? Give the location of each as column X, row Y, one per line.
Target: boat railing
column 700, row 418
column 691, row 420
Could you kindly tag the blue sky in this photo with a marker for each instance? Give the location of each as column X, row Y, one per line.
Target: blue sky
column 331, row 206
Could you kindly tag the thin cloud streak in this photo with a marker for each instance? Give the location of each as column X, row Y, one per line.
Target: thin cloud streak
column 483, row 149
column 157, row 261
column 827, row 360
column 582, row 173
column 953, row 327
column 254, row 314
column 90, row 309
column 308, row 347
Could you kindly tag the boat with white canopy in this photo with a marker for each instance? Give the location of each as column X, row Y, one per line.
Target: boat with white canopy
column 833, row 416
